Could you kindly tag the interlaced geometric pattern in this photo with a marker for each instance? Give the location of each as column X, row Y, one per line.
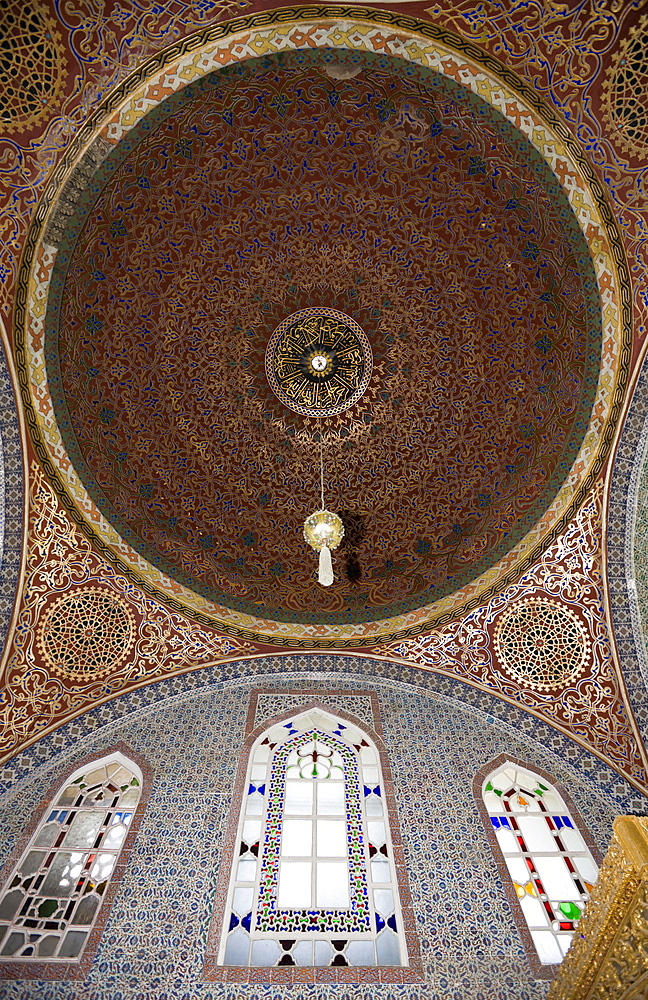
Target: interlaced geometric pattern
column 626, row 90
column 87, row 632
column 33, row 65
column 52, row 898
column 541, row 643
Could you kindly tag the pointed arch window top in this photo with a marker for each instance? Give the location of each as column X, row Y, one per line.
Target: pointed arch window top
column 314, row 881
column 54, row 894
column 550, row 865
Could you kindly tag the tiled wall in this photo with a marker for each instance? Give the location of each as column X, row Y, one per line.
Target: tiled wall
column 154, row 941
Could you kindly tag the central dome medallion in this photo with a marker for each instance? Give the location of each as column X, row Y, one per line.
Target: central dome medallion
column 318, row 362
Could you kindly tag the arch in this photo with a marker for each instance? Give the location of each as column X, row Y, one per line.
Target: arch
column 312, row 886
column 58, row 887
column 545, row 856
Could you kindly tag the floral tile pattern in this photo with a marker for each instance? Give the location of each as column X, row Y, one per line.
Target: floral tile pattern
column 191, row 729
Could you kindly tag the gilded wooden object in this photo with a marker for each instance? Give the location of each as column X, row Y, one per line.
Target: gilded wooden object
column 608, row 958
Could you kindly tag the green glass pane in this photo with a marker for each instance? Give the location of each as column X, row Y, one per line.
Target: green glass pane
column 489, row 787
column 48, row 907
column 571, row 911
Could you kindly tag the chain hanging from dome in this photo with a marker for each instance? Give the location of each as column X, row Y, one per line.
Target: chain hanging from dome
column 323, row 530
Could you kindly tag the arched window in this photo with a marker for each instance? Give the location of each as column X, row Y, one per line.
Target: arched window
column 313, row 881
column 551, row 866
column 53, row 896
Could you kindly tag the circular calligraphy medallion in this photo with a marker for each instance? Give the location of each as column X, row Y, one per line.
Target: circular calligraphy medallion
column 318, row 362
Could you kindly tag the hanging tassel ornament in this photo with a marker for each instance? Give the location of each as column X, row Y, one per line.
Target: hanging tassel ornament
column 324, row 531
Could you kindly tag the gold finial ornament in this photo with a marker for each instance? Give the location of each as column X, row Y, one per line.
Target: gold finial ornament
column 324, row 531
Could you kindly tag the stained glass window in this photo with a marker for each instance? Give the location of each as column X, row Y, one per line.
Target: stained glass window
column 53, row 896
column 549, row 863
column 313, row 882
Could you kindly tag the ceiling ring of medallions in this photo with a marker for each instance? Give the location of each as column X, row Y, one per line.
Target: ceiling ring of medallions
column 452, row 246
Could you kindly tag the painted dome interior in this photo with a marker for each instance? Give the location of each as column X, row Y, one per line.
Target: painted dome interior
column 352, row 182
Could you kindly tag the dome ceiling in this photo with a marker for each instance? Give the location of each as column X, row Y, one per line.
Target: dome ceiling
column 349, row 182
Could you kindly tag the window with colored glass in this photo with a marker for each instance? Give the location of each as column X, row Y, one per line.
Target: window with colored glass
column 313, row 882
column 51, row 900
column 550, row 864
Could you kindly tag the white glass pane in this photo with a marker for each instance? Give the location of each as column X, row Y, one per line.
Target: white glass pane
column 556, row 879
column 297, row 838
column 507, row 841
column 331, row 838
column 114, row 837
column 303, row 953
column 536, row 833
column 47, row 835
column 95, row 777
column 261, row 755
column 493, row 802
column 547, row 947
column 242, row 901
column 553, row 802
column 323, row 952
column 73, row 942
column 360, row 953
column 534, row 911
column 83, row 830
column 238, row 948
column 251, row 831
column 572, row 839
column 130, row 797
column 373, row 805
column 518, row 869
column 120, row 777
column 299, row 797
column 102, row 867
column 294, row 884
column 387, row 948
column 258, row 773
column 586, row 869
column 32, row 862
column 265, row 953
column 376, row 832
column 370, row 776
column 246, row 871
column 367, row 756
column 380, row 871
column 332, row 884
column 330, row 798
column 254, row 804
column 564, row 941
column 62, row 874
column 68, row 795
column 384, row 902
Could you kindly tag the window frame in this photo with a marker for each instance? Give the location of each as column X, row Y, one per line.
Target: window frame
column 78, row 968
column 539, row 971
column 212, row 971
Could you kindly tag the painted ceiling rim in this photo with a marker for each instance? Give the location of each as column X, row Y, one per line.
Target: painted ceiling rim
column 119, row 113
